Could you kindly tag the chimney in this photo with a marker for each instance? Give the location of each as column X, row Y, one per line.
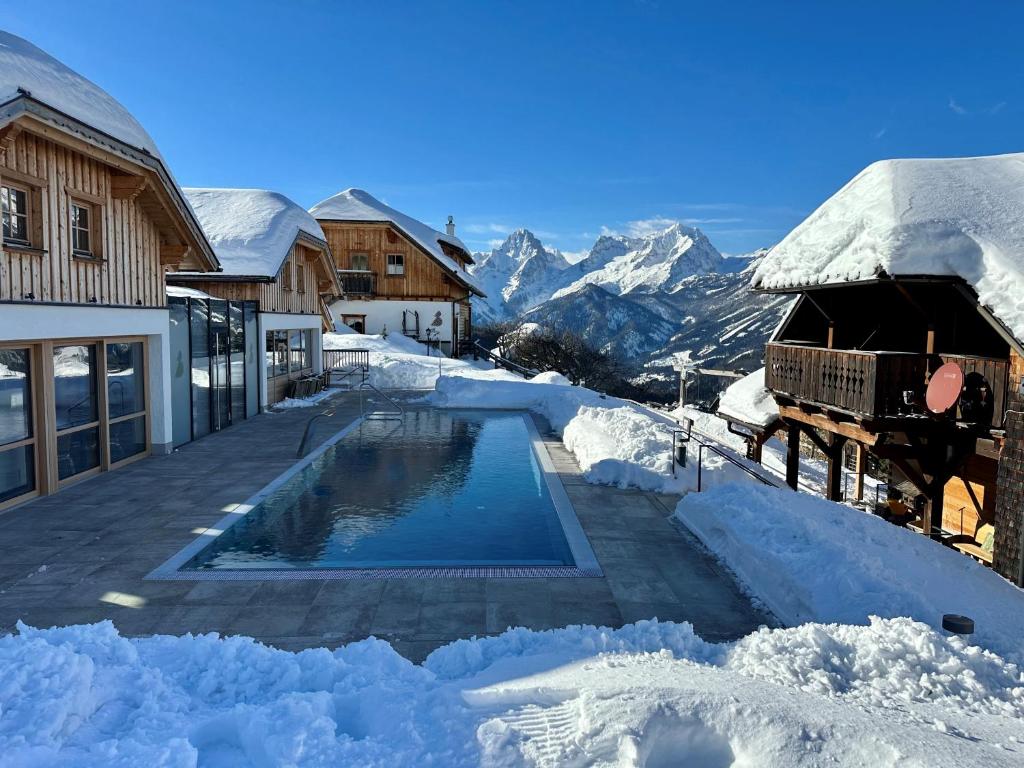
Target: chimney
column 450, row 226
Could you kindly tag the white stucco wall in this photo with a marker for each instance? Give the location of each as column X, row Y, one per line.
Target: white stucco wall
column 42, row 322
column 389, row 312
column 277, row 321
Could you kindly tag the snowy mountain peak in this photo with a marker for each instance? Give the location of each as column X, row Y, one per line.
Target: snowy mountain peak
column 518, row 275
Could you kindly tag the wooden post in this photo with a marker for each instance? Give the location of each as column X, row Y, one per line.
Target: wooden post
column 792, row 455
column 834, row 456
column 929, row 345
column 831, row 334
column 862, row 457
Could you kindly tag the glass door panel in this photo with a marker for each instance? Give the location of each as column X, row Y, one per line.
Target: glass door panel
column 237, row 328
column 181, row 373
column 199, row 324
column 252, row 369
column 76, row 408
column 17, row 439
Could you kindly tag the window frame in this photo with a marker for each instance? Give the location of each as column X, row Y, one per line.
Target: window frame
column 399, row 264
column 352, row 261
column 25, row 242
column 300, row 278
column 91, row 209
column 32, row 441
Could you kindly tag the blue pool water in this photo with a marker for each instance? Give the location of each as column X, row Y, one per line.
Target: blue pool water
column 442, row 488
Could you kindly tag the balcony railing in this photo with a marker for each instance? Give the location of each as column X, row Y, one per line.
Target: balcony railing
column 355, row 282
column 872, row 383
column 868, row 383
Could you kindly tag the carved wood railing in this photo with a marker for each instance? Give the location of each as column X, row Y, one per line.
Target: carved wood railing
column 869, row 383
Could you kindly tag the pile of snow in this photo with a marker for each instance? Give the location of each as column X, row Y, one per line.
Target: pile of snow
column 809, row 559
column 359, row 205
column 616, row 442
column 251, row 230
column 749, row 401
column 399, row 362
column 891, row 693
column 301, row 402
column 25, row 67
column 957, row 217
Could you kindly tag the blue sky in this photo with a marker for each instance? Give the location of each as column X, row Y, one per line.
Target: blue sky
column 566, row 118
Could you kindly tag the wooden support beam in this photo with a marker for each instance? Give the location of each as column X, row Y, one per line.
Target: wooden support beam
column 833, row 487
column 173, row 255
column 124, row 187
column 8, row 135
column 847, row 429
column 792, row 456
column 862, row 458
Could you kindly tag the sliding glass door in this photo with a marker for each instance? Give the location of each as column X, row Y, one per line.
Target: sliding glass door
column 77, row 412
column 17, row 427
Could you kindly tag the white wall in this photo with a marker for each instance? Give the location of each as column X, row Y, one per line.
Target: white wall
column 278, row 321
column 382, row 312
column 41, row 322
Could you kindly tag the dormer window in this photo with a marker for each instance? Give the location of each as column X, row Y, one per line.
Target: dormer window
column 14, row 203
column 81, row 234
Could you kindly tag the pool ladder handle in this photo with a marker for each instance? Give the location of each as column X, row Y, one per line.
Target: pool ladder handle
column 397, row 415
column 309, row 431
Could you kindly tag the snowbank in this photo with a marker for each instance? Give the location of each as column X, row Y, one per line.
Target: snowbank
column 399, row 362
column 616, row 442
column 957, row 217
column 891, row 693
column 809, row 559
column 749, row 401
column 251, row 230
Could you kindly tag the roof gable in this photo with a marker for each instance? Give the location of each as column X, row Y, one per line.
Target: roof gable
column 357, row 205
column 959, row 218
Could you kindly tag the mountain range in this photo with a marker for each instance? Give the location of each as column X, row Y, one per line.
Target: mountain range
column 648, row 300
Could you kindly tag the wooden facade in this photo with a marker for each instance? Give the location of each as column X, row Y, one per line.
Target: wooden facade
column 302, row 285
column 132, row 238
column 361, row 251
column 852, row 363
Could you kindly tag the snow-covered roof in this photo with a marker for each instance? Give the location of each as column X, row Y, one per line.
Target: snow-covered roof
column 251, row 230
column 749, row 401
column 360, row 205
column 958, row 217
column 182, row 292
column 37, row 74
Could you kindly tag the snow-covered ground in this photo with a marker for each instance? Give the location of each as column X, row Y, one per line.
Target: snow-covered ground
column 893, row 693
column 864, row 692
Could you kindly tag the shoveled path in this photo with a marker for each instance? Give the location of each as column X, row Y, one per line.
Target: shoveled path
column 82, row 555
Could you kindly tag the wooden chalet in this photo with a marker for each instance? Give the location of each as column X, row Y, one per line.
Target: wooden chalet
column 92, row 220
column 255, row 327
column 397, row 273
column 913, row 265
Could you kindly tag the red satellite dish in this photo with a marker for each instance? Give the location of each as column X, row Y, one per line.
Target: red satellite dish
column 944, row 388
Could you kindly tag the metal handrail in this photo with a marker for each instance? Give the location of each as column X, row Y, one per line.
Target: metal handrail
column 309, row 430
column 479, row 350
column 398, row 414
column 731, row 460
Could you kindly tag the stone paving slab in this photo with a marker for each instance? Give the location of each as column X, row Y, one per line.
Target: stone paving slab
column 82, row 555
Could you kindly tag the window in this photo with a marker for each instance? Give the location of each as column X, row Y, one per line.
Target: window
column 81, row 236
column 295, row 350
column 14, row 203
column 281, row 345
column 307, row 361
column 77, row 409
column 360, row 262
column 286, row 275
column 396, row 264
column 300, row 278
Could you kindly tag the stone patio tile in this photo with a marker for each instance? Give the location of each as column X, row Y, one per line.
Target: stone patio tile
column 454, row 590
column 344, row 592
column 518, row 590
column 396, row 618
column 344, row 622
column 534, row 615
column 603, row 613
column 404, row 590
column 415, row 650
column 221, row 592
column 286, row 593
column 451, row 619
column 638, row 588
column 579, row 590
column 274, row 620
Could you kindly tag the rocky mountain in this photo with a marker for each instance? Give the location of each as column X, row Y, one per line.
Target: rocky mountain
column 647, row 300
column 517, row 276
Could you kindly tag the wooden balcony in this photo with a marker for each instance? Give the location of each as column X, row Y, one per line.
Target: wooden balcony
column 869, row 383
column 355, row 282
column 865, row 383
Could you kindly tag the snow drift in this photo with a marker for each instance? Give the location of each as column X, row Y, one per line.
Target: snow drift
column 891, row 693
column 809, row 559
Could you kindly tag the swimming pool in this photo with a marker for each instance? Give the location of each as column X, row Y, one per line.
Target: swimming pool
column 440, row 493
